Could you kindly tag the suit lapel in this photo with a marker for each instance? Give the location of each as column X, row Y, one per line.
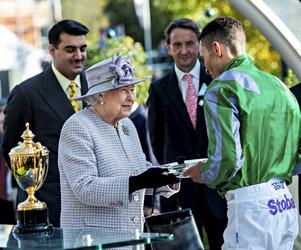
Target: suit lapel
column 53, row 94
column 204, row 79
column 200, row 110
column 84, row 87
column 172, row 91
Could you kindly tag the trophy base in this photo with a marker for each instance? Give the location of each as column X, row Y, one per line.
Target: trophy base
column 32, row 221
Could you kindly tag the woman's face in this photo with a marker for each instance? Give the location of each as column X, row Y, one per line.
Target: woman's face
column 117, row 103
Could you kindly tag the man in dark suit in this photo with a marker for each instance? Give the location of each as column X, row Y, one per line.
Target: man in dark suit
column 6, row 204
column 178, row 130
column 44, row 102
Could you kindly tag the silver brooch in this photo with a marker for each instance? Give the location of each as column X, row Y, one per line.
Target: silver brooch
column 125, row 130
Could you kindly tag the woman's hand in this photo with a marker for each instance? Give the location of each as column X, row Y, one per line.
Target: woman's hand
column 151, row 178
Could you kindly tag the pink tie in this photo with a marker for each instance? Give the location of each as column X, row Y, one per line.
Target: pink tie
column 191, row 100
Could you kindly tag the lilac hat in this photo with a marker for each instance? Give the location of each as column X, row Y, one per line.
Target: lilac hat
column 110, row 74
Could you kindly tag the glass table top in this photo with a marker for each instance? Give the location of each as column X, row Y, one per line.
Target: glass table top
column 77, row 238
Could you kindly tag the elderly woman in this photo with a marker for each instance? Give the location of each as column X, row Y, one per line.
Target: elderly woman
column 103, row 171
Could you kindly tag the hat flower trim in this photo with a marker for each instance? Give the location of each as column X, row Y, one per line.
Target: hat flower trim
column 122, row 70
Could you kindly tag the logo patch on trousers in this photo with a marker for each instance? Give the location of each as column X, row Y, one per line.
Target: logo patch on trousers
column 279, row 206
column 278, row 185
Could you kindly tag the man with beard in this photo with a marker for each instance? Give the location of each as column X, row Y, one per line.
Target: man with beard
column 45, row 102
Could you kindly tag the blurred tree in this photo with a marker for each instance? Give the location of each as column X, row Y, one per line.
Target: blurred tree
column 291, row 79
column 125, row 45
column 265, row 57
column 122, row 12
column 90, row 13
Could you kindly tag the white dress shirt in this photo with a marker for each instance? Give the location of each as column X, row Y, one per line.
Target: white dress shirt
column 195, row 72
column 64, row 82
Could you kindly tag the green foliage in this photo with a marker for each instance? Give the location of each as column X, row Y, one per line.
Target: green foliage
column 162, row 12
column 125, row 45
column 122, row 13
column 291, row 79
column 265, row 57
column 90, row 13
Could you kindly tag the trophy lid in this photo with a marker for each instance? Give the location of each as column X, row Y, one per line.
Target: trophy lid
column 28, row 147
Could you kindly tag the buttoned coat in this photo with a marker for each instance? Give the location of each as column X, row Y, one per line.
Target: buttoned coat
column 95, row 163
column 42, row 102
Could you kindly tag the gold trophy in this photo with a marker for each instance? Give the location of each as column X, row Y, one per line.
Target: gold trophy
column 29, row 164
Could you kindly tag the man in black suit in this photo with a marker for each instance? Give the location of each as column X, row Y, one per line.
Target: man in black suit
column 44, row 102
column 6, row 204
column 178, row 130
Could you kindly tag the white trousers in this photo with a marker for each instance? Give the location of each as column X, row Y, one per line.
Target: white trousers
column 261, row 217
